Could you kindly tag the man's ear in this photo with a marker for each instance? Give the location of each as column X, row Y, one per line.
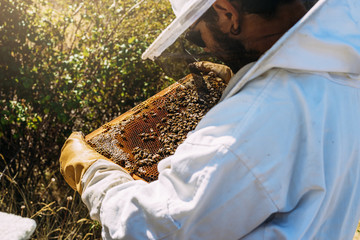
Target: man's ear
column 229, row 17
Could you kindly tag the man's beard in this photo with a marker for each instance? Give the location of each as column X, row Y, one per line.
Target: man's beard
column 231, row 51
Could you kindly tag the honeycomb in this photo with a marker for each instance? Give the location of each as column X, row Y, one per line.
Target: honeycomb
column 138, row 139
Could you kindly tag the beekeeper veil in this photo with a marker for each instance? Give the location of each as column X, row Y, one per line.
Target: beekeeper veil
column 186, row 12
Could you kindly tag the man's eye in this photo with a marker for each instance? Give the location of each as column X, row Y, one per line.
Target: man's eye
column 195, row 38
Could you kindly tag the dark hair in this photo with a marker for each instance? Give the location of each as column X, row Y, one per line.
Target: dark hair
column 266, row 7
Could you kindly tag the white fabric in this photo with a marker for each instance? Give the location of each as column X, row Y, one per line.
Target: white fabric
column 13, row 227
column 180, row 6
column 277, row 160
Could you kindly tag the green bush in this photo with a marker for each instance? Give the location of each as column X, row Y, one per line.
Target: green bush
column 64, row 66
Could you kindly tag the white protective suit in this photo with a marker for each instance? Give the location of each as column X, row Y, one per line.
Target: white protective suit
column 277, row 160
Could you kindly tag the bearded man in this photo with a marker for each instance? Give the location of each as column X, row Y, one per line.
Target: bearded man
column 277, row 158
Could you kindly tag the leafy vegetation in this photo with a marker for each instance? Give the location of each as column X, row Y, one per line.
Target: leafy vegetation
column 64, row 66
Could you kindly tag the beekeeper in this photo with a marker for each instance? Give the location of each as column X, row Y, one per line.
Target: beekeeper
column 277, row 158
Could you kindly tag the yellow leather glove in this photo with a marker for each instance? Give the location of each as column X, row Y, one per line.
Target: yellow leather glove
column 76, row 157
column 220, row 70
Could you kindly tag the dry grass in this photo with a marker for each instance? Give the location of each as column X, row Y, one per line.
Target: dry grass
column 58, row 212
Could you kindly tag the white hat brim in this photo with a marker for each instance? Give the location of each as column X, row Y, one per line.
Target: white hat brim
column 192, row 13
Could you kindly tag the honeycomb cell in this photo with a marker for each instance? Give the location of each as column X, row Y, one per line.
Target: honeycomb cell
column 138, row 139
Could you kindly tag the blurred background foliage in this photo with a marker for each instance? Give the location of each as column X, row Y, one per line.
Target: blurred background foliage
column 67, row 65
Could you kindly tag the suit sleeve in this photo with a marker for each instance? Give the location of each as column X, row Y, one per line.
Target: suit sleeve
column 203, row 190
